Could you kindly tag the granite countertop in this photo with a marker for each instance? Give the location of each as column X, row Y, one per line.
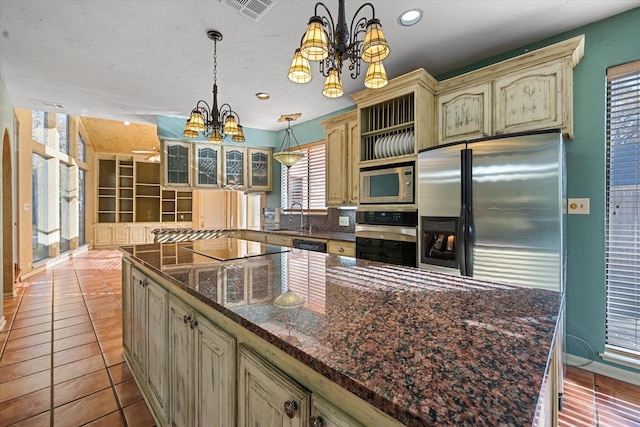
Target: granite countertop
column 424, row 347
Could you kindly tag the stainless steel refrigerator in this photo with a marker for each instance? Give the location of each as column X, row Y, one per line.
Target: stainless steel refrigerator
column 493, row 209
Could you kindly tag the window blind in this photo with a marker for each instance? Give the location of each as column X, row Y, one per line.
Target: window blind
column 304, row 182
column 622, row 206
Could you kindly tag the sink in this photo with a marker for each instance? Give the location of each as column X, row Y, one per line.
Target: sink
column 288, row 231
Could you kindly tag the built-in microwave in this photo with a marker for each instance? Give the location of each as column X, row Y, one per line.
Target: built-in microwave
column 388, row 184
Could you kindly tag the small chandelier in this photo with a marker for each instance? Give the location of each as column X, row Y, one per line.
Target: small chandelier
column 333, row 44
column 285, row 155
column 214, row 123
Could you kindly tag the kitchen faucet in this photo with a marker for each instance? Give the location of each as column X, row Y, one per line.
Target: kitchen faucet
column 301, row 216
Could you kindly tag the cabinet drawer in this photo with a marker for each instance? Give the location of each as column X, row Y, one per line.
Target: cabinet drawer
column 275, row 239
column 255, row 236
column 341, row 248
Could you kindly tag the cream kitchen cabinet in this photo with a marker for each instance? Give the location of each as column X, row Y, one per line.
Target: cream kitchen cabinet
column 340, row 247
column 267, row 397
column 149, row 339
column 201, row 370
column 530, row 92
column 532, row 99
column 342, row 156
column 234, row 167
column 324, row 414
column 176, row 163
column 207, row 162
column 464, row 114
column 259, row 169
column 397, row 121
column 280, row 240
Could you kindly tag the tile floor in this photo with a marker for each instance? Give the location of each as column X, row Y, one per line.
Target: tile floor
column 61, row 363
column 60, row 351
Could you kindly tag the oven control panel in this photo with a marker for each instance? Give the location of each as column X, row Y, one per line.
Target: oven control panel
column 402, row 218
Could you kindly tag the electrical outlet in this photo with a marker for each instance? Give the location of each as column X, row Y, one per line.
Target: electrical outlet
column 578, row 206
column 343, row 221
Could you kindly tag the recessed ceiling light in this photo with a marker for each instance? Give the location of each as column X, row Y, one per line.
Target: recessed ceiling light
column 263, row 96
column 126, row 123
column 410, row 17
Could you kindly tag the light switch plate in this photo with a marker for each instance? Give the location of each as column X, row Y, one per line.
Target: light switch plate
column 343, row 221
column 578, row 206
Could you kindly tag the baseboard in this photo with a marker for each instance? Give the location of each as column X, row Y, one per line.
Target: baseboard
column 603, row 369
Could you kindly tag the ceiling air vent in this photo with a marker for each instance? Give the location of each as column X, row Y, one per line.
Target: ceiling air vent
column 252, row 9
column 49, row 104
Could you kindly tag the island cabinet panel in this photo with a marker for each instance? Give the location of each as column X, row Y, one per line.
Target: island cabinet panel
column 202, row 370
column 149, row 338
column 325, row 414
column 464, row 114
column 267, row 397
column 530, row 99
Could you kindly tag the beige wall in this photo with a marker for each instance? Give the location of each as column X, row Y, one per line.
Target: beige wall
column 6, row 131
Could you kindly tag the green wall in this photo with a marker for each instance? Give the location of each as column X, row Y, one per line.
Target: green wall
column 609, row 42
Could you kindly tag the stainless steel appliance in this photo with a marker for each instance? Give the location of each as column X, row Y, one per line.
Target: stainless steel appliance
column 389, row 184
column 492, row 209
column 389, row 237
column 310, row 245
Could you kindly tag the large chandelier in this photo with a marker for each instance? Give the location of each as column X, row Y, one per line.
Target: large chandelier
column 214, row 123
column 333, row 44
column 286, row 155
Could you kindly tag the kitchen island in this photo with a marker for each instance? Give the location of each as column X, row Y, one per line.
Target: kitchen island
column 377, row 344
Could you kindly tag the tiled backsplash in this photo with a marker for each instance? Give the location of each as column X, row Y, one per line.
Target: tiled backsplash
column 329, row 222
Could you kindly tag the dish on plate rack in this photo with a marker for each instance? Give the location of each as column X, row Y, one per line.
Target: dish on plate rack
column 393, row 145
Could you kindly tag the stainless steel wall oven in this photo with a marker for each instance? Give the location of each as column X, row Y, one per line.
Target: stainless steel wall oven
column 389, row 237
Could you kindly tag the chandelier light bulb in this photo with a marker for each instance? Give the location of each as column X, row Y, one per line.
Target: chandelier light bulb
column 333, row 86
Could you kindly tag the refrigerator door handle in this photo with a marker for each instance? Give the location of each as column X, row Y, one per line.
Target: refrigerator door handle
column 461, row 251
column 468, row 223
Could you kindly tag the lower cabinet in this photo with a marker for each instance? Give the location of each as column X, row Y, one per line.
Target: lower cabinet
column 267, row 397
column 149, row 338
column 201, row 370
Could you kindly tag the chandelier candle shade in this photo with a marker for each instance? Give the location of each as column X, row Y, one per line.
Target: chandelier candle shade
column 332, row 44
column 214, row 123
column 286, row 155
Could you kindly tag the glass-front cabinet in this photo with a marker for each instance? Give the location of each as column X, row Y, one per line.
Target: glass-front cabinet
column 259, row 169
column 234, row 170
column 207, row 161
column 176, row 159
column 216, row 166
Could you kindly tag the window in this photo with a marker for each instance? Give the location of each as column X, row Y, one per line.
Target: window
column 304, row 182
column 63, row 132
column 622, row 219
column 254, row 205
column 40, row 220
column 81, row 149
column 39, row 126
column 64, row 206
column 81, row 207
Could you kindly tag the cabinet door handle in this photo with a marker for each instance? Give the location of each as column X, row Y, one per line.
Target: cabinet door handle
column 193, row 324
column 341, row 249
column 498, row 132
column 316, row 422
column 290, row 408
column 186, row 319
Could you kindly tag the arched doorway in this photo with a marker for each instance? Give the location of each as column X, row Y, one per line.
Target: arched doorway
column 7, row 218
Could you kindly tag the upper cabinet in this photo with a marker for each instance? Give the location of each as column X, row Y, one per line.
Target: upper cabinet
column 176, row 159
column 259, row 169
column 234, row 170
column 343, row 150
column 464, row 113
column 207, row 165
column 398, row 120
column 530, row 92
column 215, row 166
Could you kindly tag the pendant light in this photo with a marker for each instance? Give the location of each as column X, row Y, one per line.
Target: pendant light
column 286, row 155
